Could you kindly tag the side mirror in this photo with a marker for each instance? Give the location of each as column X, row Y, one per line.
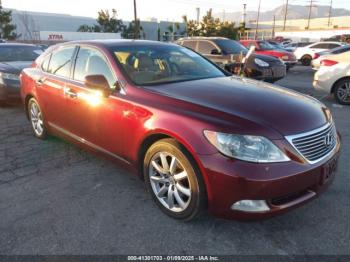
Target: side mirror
column 215, row 52
column 98, row 83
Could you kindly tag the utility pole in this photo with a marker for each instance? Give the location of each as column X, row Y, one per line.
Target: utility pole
column 273, row 27
column 136, row 28
column 285, row 16
column 329, row 13
column 198, row 12
column 257, row 22
column 310, row 11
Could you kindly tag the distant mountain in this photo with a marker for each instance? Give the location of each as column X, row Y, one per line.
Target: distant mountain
column 294, row 12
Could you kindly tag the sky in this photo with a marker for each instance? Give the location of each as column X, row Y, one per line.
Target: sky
column 171, row 10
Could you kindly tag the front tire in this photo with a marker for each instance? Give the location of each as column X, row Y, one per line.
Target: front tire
column 173, row 180
column 342, row 92
column 36, row 119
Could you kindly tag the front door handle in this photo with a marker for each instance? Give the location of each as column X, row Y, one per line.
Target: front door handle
column 70, row 93
column 40, row 81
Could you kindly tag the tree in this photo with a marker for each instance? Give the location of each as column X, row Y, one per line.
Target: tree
column 106, row 23
column 129, row 31
column 210, row 26
column 6, row 27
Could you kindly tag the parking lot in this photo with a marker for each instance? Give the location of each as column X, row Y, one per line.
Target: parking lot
column 58, row 199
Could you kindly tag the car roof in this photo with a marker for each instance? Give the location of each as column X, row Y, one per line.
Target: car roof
column 116, row 42
column 16, row 44
column 202, row 38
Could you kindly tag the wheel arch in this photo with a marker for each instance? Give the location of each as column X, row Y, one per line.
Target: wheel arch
column 26, row 101
column 152, row 138
column 336, row 82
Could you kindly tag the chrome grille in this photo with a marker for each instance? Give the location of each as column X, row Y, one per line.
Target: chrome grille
column 317, row 144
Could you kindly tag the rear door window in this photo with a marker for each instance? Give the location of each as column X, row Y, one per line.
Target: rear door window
column 61, row 62
column 190, row 44
column 205, row 47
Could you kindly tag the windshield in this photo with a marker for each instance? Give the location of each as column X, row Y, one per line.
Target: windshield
column 19, row 53
column 265, row 45
column 231, row 46
column 158, row 64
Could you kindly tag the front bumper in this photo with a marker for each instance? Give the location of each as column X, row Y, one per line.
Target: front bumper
column 270, row 74
column 290, row 64
column 284, row 186
column 10, row 91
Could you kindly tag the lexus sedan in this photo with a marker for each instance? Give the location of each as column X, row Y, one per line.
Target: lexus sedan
column 199, row 137
column 13, row 58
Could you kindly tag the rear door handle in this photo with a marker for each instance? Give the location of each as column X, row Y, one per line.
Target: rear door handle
column 70, row 93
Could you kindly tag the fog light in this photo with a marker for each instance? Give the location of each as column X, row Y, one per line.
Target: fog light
column 251, row 206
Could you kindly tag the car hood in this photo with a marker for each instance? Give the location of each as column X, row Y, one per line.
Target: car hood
column 281, row 109
column 266, row 58
column 14, row 67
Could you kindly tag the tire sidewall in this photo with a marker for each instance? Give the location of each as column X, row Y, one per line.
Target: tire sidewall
column 306, row 60
column 45, row 133
column 197, row 188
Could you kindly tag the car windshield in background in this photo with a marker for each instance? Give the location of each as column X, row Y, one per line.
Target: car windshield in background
column 266, row 46
column 153, row 65
column 231, row 47
column 19, row 53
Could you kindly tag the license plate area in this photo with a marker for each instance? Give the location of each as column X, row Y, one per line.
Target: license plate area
column 328, row 170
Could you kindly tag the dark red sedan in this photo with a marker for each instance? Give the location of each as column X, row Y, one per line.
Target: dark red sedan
column 200, row 138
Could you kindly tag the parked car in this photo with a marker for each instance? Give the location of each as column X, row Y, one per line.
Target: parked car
column 13, row 58
column 229, row 53
column 339, row 38
column 199, row 137
column 2, row 41
column 316, row 62
column 334, row 77
column 307, row 53
column 264, row 48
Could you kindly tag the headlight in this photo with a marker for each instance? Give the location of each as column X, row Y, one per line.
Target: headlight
column 256, row 149
column 8, row 76
column 285, row 58
column 261, row 63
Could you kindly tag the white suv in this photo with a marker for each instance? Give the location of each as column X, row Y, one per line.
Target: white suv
column 307, row 53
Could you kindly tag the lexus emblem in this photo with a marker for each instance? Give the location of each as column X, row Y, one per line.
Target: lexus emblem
column 328, row 140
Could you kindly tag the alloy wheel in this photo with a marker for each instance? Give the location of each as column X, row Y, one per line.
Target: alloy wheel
column 170, row 181
column 343, row 92
column 36, row 119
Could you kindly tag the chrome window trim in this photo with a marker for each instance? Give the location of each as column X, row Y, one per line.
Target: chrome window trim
column 300, row 135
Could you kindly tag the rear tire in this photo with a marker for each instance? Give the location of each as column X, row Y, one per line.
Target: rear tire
column 342, row 92
column 36, row 119
column 306, row 60
column 173, row 180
